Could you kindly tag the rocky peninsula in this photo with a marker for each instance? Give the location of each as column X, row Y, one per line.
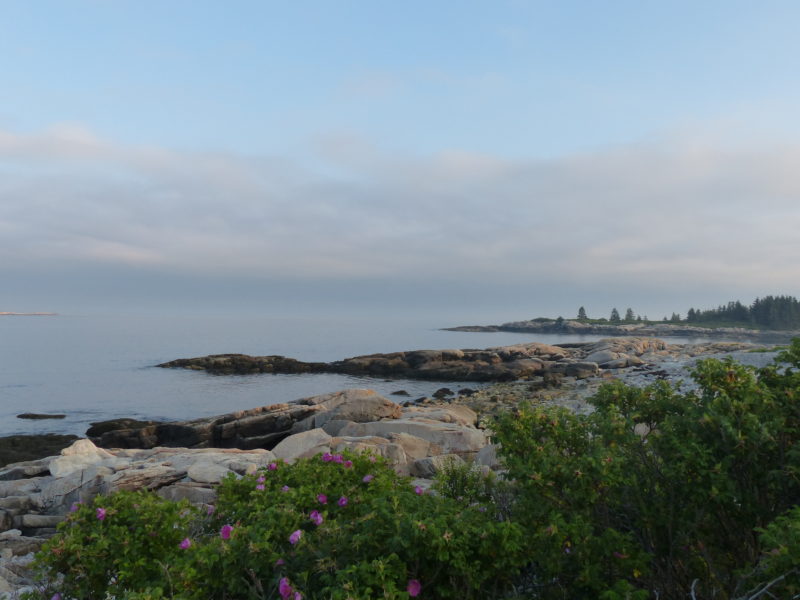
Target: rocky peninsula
column 504, row 363
column 575, row 327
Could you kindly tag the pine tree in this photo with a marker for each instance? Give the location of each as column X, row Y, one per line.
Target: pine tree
column 629, row 316
column 582, row 314
column 614, row 316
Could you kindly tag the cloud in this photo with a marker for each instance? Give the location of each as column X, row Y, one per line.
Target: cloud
column 662, row 213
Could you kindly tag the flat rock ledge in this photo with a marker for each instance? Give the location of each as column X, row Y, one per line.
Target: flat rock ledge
column 505, row 363
column 36, row 495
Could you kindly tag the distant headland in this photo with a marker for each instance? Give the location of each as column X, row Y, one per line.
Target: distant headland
column 768, row 318
column 28, row 314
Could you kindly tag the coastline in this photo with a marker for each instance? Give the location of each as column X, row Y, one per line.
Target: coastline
column 566, row 380
column 659, row 330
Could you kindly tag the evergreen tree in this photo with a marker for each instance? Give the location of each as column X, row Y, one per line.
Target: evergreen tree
column 675, row 318
column 582, row 314
column 629, row 316
column 614, row 316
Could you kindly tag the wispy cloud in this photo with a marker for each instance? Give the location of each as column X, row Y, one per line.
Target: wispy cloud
column 648, row 214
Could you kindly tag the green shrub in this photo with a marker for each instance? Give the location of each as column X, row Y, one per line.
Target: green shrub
column 658, row 492
column 344, row 527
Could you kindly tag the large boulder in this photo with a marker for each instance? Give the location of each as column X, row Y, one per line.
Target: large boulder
column 304, row 444
column 77, row 457
column 451, row 438
column 359, row 406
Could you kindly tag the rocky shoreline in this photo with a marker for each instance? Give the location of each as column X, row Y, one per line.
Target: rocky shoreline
column 504, row 363
column 573, row 327
column 187, row 459
column 37, row 495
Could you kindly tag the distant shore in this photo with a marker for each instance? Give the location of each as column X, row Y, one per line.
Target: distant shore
column 575, row 327
column 28, row 314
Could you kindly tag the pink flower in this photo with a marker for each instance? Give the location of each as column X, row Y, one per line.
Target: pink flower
column 372, row 459
column 284, row 589
column 56, row 596
column 185, row 544
column 261, row 479
column 327, row 457
column 414, row 587
column 295, row 537
column 322, row 499
column 348, row 464
column 298, row 596
column 260, row 487
column 280, row 562
column 285, row 488
column 316, row 517
column 338, row 458
column 419, row 491
column 100, row 513
column 225, row 532
column 368, row 478
column 210, row 510
column 342, row 501
column 272, row 466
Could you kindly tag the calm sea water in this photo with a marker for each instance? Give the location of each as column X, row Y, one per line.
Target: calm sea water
column 93, row 368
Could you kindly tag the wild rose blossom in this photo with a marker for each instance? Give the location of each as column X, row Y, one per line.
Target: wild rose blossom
column 285, row 488
column 295, row 537
column 316, row 517
column 419, row 491
column 298, row 596
column 338, row 458
column 348, row 464
column 210, row 510
column 342, row 501
column 225, row 532
column 284, row 588
column 260, row 487
column 368, row 478
column 75, row 506
column 327, row 457
column 414, row 587
column 272, row 466
column 261, row 479
column 280, row 562
column 185, row 544
column 56, row 596
column 322, row 499
column 100, row 513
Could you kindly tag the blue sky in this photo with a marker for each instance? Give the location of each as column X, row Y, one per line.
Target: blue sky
column 563, row 152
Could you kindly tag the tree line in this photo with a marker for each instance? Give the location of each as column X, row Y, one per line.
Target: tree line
column 769, row 312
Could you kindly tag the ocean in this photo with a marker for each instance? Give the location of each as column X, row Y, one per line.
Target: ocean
column 93, row 368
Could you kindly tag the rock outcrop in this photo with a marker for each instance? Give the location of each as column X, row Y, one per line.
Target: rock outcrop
column 35, row 495
column 506, row 363
column 493, row 364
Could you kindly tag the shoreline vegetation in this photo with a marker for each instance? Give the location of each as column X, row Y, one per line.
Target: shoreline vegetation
column 767, row 318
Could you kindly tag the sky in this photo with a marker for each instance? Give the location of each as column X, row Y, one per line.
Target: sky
column 485, row 161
